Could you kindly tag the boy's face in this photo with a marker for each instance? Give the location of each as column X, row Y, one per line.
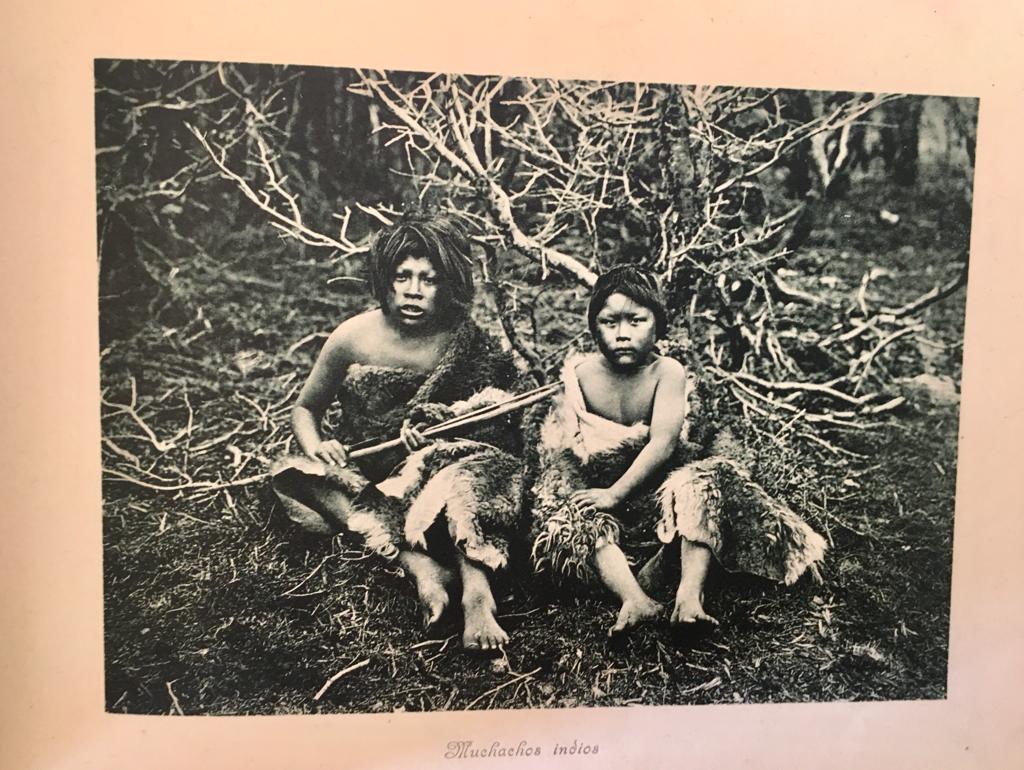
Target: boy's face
column 414, row 293
column 626, row 332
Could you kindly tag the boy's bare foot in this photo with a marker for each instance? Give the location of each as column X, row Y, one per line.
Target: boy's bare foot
column 689, row 609
column 432, row 581
column 481, row 631
column 634, row 612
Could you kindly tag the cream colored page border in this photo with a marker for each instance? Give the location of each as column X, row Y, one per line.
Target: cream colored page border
column 51, row 603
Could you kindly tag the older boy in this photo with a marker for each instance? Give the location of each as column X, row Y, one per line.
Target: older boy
column 616, row 446
column 405, row 361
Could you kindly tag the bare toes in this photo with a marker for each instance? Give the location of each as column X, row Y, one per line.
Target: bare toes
column 497, row 639
column 690, row 616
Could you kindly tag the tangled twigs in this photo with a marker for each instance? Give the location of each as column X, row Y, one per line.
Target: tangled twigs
column 214, row 448
column 425, row 127
column 506, row 316
column 289, row 221
column 860, row 352
column 889, row 315
column 191, row 486
column 867, row 404
column 808, row 387
column 813, row 421
column 272, row 196
column 869, row 356
column 502, row 686
column 130, row 409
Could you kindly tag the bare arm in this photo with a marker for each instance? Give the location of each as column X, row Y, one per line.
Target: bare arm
column 667, row 416
column 315, row 397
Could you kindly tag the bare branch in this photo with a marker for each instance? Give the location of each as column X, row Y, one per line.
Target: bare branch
column 292, row 224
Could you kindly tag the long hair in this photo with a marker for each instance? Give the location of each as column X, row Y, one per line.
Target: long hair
column 635, row 283
column 436, row 238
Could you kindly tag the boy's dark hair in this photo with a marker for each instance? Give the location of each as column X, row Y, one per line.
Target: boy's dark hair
column 637, row 284
column 437, row 238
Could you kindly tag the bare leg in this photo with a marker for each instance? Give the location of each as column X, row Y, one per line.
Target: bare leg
column 333, row 504
column 326, row 509
column 614, row 571
column 481, row 629
column 431, row 579
column 432, row 582
column 315, row 506
column 689, row 607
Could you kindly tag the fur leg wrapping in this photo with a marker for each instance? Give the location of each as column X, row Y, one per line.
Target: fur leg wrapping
column 715, row 502
column 478, row 490
column 569, row 538
column 691, row 506
column 564, row 536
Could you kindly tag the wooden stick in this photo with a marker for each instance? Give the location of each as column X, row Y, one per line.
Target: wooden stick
column 372, row 446
column 496, row 410
column 431, row 642
column 470, row 418
column 304, row 580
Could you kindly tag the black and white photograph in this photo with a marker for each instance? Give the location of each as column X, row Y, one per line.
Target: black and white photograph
column 427, row 391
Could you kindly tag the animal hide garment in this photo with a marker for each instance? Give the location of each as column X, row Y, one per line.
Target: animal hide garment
column 707, row 499
column 374, row 402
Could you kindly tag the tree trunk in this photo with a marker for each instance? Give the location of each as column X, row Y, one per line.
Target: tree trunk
column 900, row 139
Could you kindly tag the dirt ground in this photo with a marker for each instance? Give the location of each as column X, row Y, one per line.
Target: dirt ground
column 214, row 604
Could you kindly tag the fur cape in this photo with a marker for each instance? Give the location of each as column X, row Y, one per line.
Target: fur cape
column 704, row 497
column 375, row 400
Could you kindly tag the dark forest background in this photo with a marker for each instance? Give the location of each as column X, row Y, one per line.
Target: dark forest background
column 815, row 250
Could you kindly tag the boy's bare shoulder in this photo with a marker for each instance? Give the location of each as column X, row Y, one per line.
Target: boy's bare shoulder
column 588, row 363
column 352, row 334
column 589, row 368
column 671, row 371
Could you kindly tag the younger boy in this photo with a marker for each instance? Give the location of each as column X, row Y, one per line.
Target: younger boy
column 616, row 446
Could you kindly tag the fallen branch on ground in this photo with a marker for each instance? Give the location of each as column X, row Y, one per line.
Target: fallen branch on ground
column 198, row 486
column 174, row 699
column 339, row 675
